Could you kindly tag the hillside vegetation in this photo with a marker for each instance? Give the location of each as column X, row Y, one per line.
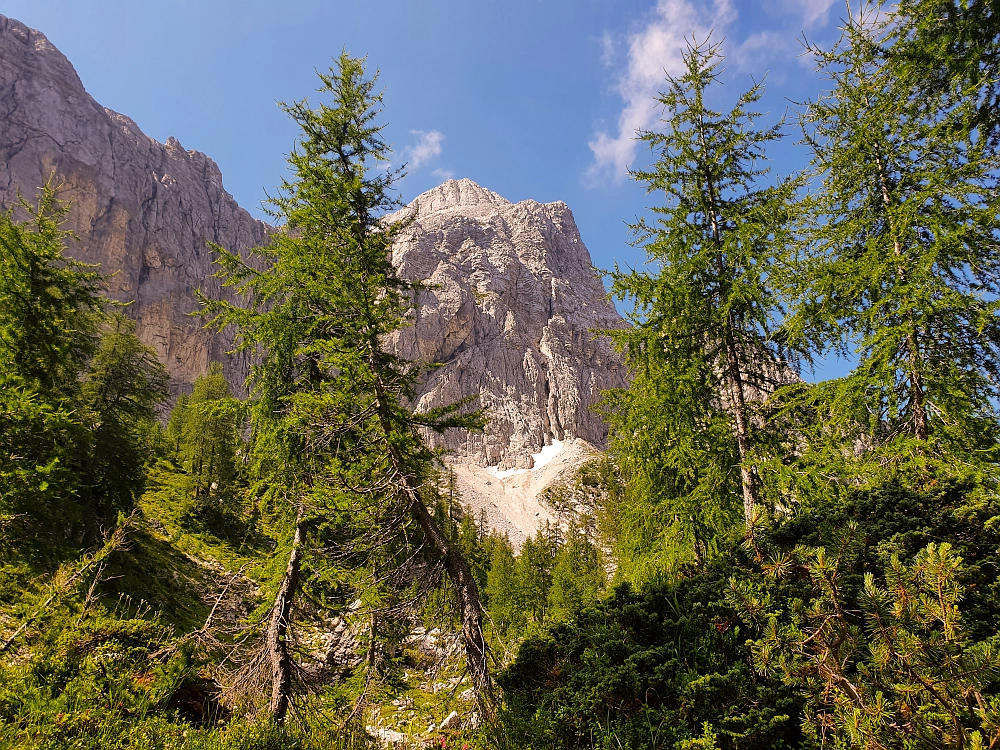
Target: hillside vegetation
column 757, row 561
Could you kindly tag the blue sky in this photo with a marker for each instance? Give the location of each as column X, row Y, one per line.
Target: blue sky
column 530, row 98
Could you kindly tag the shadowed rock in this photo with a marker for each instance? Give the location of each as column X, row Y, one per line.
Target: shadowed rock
column 145, row 211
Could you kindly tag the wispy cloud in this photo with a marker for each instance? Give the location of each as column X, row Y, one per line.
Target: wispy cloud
column 443, row 174
column 762, row 46
column 812, row 12
column 427, row 147
column 783, row 41
column 653, row 51
column 607, row 43
column 657, row 49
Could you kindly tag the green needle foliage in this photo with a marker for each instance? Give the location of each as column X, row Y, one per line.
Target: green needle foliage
column 50, row 303
column 204, row 430
column 123, row 385
column 335, row 437
column 204, row 442
column 77, row 389
column 951, row 48
column 701, row 346
column 901, row 257
column 891, row 666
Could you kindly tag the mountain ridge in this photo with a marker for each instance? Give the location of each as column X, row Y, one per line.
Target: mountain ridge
column 512, row 295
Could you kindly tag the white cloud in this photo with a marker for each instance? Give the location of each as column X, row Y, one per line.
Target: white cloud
column 814, row 12
column 655, row 50
column 762, row 46
column 607, row 49
column 427, row 147
column 443, row 174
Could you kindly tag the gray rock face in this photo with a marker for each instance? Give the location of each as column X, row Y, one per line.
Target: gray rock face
column 511, row 315
column 514, row 294
column 143, row 210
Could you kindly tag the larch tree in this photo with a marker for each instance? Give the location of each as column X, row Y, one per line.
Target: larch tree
column 122, row 387
column 50, row 308
column 50, row 304
column 335, row 436
column 701, row 344
column 900, row 265
column 77, row 389
column 950, row 49
column 204, row 429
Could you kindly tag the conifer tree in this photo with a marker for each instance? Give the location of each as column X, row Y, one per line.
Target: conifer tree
column 77, row 389
column 578, row 577
column 203, row 432
column 533, row 573
column 50, row 304
column 701, row 344
column 502, row 595
column 901, row 258
column 335, row 436
column 884, row 664
column 122, row 386
column 950, row 49
column 50, row 308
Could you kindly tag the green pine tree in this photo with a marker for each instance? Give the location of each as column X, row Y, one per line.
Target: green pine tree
column 950, row 48
column 701, row 345
column 888, row 666
column 335, row 436
column 578, row 576
column 50, row 310
column 901, row 257
column 50, row 304
column 122, row 387
column 501, row 591
column 78, row 391
column 533, row 573
column 203, row 437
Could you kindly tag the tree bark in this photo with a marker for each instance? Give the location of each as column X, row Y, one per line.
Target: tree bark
column 918, row 408
column 277, row 631
column 733, row 375
column 735, row 379
column 470, row 606
column 469, row 603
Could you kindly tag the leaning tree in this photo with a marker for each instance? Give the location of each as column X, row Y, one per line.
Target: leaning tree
column 336, row 440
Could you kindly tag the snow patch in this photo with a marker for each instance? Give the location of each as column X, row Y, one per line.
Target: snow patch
column 544, row 456
column 547, row 453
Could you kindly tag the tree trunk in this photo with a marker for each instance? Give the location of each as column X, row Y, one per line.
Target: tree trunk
column 739, row 408
column 733, row 375
column 920, row 428
column 470, row 606
column 277, row 631
column 918, row 408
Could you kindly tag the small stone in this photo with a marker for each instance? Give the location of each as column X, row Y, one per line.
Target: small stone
column 452, row 721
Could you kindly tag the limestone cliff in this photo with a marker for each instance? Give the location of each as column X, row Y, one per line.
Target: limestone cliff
column 145, row 211
column 512, row 300
column 511, row 311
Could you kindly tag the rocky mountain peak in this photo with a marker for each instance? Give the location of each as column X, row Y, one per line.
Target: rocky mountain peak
column 510, row 312
column 462, row 195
